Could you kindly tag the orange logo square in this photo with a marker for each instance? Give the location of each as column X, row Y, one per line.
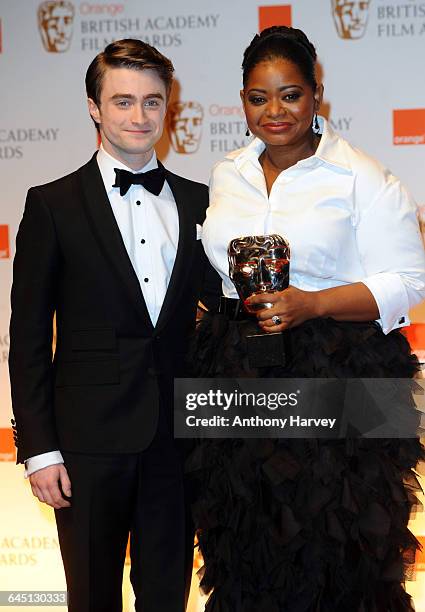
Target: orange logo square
column 4, row 242
column 274, row 15
column 409, row 126
column 415, row 334
column 7, row 445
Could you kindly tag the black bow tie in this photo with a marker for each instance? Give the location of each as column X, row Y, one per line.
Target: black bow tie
column 153, row 180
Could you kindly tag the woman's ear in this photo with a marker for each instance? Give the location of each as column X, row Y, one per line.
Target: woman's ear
column 318, row 97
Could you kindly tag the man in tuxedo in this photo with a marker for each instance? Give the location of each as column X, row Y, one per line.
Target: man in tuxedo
column 112, row 250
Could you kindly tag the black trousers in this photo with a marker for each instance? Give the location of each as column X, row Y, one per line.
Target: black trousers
column 116, row 495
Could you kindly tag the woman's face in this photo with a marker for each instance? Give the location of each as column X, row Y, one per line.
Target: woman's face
column 279, row 103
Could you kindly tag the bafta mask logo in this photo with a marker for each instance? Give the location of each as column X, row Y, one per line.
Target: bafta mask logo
column 350, row 17
column 185, row 126
column 55, row 22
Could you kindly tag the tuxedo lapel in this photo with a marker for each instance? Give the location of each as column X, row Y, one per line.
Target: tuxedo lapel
column 108, row 235
column 185, row 248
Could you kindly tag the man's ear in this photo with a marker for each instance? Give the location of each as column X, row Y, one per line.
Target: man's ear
column 93, row 110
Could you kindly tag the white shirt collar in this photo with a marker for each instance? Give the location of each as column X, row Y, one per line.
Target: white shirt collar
column 331, row 150
column 107, row 163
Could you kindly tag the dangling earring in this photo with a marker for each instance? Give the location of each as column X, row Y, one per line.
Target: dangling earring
column 316, row 126
column 247, row 133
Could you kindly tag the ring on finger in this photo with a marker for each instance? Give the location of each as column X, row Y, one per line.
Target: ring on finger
column 276, row 320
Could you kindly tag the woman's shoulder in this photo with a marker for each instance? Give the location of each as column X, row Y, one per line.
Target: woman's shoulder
column 374, row 183
column 233, row 156
column 230, row 164
column 226, row 166
column 368, row 171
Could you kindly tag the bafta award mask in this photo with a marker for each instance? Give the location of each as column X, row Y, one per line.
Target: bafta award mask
column 258, row 264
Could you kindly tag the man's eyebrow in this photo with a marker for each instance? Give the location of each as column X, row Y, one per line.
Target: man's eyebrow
column 126, row 96
column 121, row 96
column 156, row 94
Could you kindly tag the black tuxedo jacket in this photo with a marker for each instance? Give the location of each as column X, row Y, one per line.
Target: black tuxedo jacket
column 101, row 391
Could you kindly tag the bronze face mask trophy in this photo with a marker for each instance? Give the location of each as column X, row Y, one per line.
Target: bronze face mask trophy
column 260, row 264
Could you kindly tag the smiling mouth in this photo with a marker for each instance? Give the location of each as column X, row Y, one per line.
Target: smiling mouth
column 138, row 131
column 277, row 128
column 276, row 125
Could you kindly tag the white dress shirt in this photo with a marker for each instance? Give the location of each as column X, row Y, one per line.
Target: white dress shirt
column 149, row 227
column 346, row 217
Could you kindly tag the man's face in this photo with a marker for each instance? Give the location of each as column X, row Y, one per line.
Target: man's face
column 185, row 126
column 56, row 23
column 131, row 114
column 351, row 17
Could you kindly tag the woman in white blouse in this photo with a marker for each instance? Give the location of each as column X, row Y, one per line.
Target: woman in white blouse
column 303, row 525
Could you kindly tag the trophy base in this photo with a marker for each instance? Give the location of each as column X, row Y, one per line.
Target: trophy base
column 266, row 350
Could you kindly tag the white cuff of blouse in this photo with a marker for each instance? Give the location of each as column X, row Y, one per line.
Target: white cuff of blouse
column 38, row 462
column 392, row 299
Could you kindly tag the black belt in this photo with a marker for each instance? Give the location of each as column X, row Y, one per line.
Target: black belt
column 233, row 308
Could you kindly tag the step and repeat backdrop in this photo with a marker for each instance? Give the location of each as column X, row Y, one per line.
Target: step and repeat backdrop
column 371, row 63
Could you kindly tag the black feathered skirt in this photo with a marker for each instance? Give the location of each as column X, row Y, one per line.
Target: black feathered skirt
column 297, row 525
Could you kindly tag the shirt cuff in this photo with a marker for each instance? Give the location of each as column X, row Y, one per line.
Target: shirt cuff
column 38, row 462
column 391, row 297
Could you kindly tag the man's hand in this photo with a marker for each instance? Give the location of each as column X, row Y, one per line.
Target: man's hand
column 45, row 485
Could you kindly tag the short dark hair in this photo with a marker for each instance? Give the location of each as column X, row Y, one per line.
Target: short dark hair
column 127, row 53
column 285, row 43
